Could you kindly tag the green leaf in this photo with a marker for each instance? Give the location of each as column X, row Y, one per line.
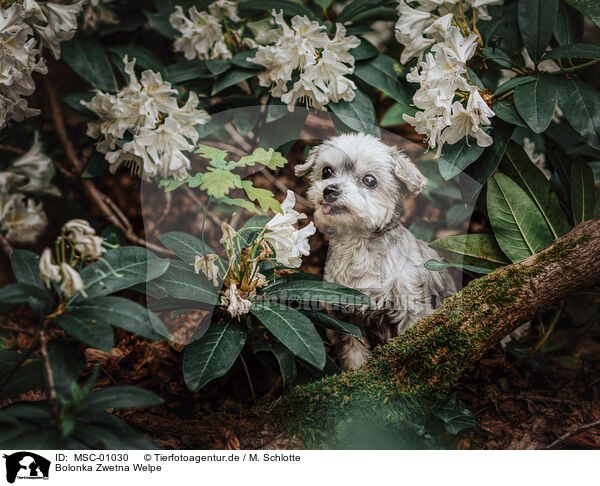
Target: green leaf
column 536, row 102
column 89, row 324
column 294, row 330
column 65, row 360
column 582, row 192
column 478, row 250
column 458, row 157
column 159, row 21
column 120, row 269
column 580, row 104
column 88, row 59
column 437, row 266
column 517, row 165
column 574, row 51
column 215, row 155
column 329, row 322
column 264, row 197
column 185, row 246
column 120, row 397
column 285, row 358
column 383, row 74
column 518, row 225
column 289, row 8
column 313, row 291
column 561, row 164
column 237, row 201
column 537, row 19
column 358, row 114
column 25, row 266
column 97, row 166
column 231, row 78
column 498, row 56
column 218, row 182
column 365, row 50
column 23, row 373
column 213, row 354
column 394, row 116
column 505, row 110
column 589, row 8
column 187, row 71
column 144, row 58
column 269, row 158
column 569, row 25
column 182, row 282
column 512, row 84
column 456, row 417
column 37, row 298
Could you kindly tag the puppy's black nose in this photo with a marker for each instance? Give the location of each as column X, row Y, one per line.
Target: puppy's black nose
column 331, row 193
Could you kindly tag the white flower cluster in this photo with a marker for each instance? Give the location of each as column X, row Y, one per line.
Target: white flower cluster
column 242, row 278
column 20, row 57
column 146, row 108
column 442, row 73
column 88, row 246
column 305, row 51
column 200, row 34
column 21, row 219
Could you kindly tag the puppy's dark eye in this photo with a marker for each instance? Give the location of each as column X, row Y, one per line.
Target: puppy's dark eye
column 327, row 172
column 369, row 181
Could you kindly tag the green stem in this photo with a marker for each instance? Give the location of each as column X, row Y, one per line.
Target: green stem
column 547, row 334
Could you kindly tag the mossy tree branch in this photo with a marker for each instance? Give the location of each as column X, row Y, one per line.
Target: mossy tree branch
column 433, row 354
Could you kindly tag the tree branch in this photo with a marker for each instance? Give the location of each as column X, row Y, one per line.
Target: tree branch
column 570, row 434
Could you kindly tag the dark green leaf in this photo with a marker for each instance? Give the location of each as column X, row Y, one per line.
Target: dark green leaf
column 120, row 397
column 185, row 246
column 97, row 166
column 518, row 225
column 358, row 114
column 589, row 8
column 159, row 21
column 505, row 110
column 294, row 330
column 218, row 66
column 498, row 56
column 395, row 115
column 456, row 417
column 580, row 104
column 383, row 74
column 144, row 58
column 537, row 19
column 314, row 291
column 573, row 51
column 74, row 101
column 231, row 78
column 241, row 60
column 437, row 266
column 88, row 59
column 25, row 266
column 90, row 325
column 478, row 250
column 182, row 282
column 289, row 8
column 188, row 70
column 569, row 25
column 39, row 299
column 458, row 157
column 325, row 320
column 65, row 361
column 120, row 269
column 19, row 373
column 285, row 358
column 582, row 192
column 365, row 50
column 457, row 214
column 512, row 84
column 536, row 102
column 213, row 354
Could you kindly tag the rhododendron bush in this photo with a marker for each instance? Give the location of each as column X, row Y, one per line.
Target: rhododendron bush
column 113, row 113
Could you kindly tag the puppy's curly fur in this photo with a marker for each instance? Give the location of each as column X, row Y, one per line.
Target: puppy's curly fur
column 358, row 188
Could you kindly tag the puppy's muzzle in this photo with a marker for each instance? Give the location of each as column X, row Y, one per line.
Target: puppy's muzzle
column 331, row 193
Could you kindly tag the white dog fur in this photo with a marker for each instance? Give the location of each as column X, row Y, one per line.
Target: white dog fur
column 369, row 249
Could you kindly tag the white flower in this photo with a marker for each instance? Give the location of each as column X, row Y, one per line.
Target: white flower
column 206, row 265
column 36, row 170
column 48, row 270
column 481, row 7
column 21, row 219
column 235, row 303
column 148, row 109
column 288, row 242
column 467, row 121
column 84, row 238
column 95, row 13
column 78, row 227
column 200, row 35
column 224, row 9
column 304, row 49
column 71, row 281
column 60, row 24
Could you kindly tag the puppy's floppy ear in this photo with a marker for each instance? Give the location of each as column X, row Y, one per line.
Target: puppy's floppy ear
column 303, row 169
column 407, row 173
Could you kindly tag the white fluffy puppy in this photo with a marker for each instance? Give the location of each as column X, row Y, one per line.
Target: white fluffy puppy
column 358, row 188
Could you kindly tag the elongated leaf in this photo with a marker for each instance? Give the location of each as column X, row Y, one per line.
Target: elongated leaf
column 536, row 102
column 120, row 269
column 479, row 250
column 561, row 164
column 323, row 319
column 394, row 116
column 213, row 354
column 231, row 78
column 458, row 157
column 580, row 104
column 121, row 397
column 383, row 74
column 569, row 25
column 88, row 59
column 144, row 58
column 518, row 225
column 365, row 50
column 582, row 192
column 182, row 282
column 589, row 8
column 185, row 246
column 294, row 330
column 39, row 299
column 188, row 70
column 358, row 114
column 505, row 110
column 285, row 358
column 574, row 51
column 288, row 7
column 25, row 266
column 313, row 291
column 25, row 373
column 537, row 19
column 89, row 324
column 517, row 165
column 512, row 84
column 437, row 266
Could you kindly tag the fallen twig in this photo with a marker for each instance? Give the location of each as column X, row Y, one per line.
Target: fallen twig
column 49, row 375
column 570, row 434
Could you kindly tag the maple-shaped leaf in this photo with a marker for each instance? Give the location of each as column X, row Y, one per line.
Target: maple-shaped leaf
column 215, row 155
column 171, row 184
column 265, row 198
column 219, row 182
column 268, row 158
column 243, row 203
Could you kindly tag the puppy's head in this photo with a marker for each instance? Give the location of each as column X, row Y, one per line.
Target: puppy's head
column 358, row 182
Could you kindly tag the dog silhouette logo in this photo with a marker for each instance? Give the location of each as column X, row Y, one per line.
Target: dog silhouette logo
column 26, row 465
